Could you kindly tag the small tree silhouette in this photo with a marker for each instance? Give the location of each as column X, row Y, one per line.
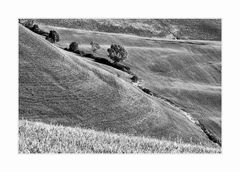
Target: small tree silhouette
column 35, row 28
column 73, row 47
column 134, row 78
column 117, row 53
column 53, row 36
column 27, row 23
column 95, row 46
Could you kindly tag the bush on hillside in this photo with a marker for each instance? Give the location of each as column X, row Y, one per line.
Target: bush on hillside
column 27, row 23
column 81, row 53
column 95, row 46
column 73, row 47
column 53, row 36
column 117, row 53
column 89, row 55
column 134, row 78
column 122, row 68
column 146, row 90
column 35, row 28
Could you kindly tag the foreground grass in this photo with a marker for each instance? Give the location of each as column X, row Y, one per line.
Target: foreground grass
column 36, row 137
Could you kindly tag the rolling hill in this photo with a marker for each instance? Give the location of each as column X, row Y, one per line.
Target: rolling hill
column 194, row 29
column 187, row 73
column 59, row 87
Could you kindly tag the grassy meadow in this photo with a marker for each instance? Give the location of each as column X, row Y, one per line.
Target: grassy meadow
column 196, row 29
column 78, row 105
column 186, row 72
column 36, row 137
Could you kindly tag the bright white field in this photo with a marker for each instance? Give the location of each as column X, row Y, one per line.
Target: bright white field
column 35, row 137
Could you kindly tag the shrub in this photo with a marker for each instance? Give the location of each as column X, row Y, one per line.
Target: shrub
column 35, row 28
column 134, row 78
column 95, row 46
column 122, row 67
column 81, row 53
column 53, row 36
column 27, row 23
column 117, row 53
column 73, row 47
column 103, row 61
column 146, row 91
column 88, row 55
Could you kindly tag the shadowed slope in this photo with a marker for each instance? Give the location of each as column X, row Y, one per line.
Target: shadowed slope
column 56, row 88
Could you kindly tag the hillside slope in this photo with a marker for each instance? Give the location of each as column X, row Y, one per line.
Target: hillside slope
column 194, row 29
column 187, row 73
column 55, row 87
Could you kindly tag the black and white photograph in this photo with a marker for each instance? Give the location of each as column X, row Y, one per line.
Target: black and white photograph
column 120, row 86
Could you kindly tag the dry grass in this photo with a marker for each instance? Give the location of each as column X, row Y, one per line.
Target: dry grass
column 185, row 28
column 37, row 137
column 56, row 87
column 186, row 72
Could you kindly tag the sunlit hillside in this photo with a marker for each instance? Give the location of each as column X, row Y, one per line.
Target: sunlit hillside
column 196, row 29
column 182, row 78
column 187, row 73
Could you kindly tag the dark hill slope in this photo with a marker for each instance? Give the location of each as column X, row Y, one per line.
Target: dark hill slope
column 188, row 73
column 57, row 88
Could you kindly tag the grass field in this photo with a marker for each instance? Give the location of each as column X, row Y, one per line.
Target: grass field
column 59, row 87
column 186, row 72
column 197, row 29
column 35, row 137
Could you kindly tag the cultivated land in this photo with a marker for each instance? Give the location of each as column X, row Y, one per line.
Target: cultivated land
column 59, row 87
